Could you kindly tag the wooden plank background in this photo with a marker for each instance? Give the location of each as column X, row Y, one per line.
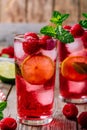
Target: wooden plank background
column 37, row 11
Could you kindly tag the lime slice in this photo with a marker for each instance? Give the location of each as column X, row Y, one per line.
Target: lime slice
column 7, row 72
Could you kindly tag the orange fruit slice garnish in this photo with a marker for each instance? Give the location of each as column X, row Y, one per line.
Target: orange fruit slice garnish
column 37, row 69
column 74, row 68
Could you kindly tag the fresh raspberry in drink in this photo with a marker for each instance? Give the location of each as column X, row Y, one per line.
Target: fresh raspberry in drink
column 47, row 43
column 8, row 123
column 70, row 111
column 31, row 46
column 44, row 39
column 31, row 35
column 67, row 27
column 77, row 31
column 82, row 119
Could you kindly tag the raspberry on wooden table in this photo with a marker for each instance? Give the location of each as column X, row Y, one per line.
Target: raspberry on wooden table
column 8, row 123
column 70, row 111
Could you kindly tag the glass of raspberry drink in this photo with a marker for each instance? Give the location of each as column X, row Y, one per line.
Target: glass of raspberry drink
column 72, row 56
column 73, row 66
column 35, row 63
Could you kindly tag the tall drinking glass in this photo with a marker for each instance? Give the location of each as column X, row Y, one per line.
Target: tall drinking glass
column 35, row 63
column 73, row 67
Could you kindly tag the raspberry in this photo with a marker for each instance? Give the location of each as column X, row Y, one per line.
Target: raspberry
column 31, row 46
column 67, row 27
column 8, row 124
column 47, row 43
column 30, row 35
column 9, row 51
column 70, row 111
column 77, row 31
column 82, row 119
column 44, row 39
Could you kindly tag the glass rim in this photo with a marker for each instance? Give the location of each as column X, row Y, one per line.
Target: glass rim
column 19, row 37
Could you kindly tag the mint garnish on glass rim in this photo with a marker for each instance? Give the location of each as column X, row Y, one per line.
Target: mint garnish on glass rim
column 57, row 31
column 83, row 23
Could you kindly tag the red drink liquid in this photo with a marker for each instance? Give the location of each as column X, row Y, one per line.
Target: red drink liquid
column 35, row 80
column 73, row 70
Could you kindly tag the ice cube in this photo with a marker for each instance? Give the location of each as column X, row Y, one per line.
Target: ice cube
column 50, row 53
column 45, row 97
column 77, row 45
column 82, row 52
column 19, row 52
column 30, row 87
column 76, row 87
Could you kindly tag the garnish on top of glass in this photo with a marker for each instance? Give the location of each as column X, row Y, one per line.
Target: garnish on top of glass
column 60, row 32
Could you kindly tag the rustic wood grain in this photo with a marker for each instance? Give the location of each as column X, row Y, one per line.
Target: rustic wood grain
column 68, row 6
column 39, row 10
column 0, row 10
column 13, row 11
column 83, row 7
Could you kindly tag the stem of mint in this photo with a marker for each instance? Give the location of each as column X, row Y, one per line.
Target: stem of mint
column 57, row 31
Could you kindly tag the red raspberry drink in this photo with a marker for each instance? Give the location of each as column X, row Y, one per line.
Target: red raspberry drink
column 73, row 67
column 35, row 61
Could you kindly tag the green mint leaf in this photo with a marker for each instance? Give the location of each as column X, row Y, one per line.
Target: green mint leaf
column 64, row 17
column 3, row 105
column 63, row 35
column 58, row 18
column 83, row 23
column 80, row 67
column 85, row 15
column 57, row 31
column 48, row 30
column 1, row 115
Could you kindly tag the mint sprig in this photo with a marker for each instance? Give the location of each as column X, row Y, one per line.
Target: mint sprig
column 57, row 31
column 48, row 30
column 58, row 18
column 3, row 105
column 63, row 35
column 84, row 14
column 83, row 23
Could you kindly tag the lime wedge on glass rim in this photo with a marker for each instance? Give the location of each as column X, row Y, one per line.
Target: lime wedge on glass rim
column 7, row 71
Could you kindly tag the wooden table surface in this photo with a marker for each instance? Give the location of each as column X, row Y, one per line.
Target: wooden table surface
column 59, row 121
